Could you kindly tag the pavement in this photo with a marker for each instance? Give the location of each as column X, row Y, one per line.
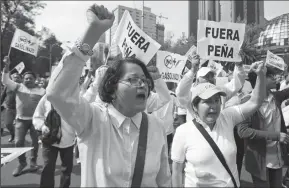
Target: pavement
column 30, row 180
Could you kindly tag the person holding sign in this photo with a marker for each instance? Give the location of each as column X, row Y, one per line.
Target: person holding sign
column 27, row 97
column 121, row 146
column 267, row 137
column 206, row 145
column 207, row 75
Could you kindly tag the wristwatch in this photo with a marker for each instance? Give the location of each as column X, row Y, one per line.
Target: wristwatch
column 84, row 48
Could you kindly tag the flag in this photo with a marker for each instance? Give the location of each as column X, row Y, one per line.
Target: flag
column 20, row 67
column 25, row 42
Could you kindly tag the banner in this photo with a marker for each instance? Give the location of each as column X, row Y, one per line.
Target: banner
column 20, row 67
column 220, row 40
column 191, row 52
column 275, row 61
column 9, row 154
column 170, row 66
column 24, row 42
column 133, row 42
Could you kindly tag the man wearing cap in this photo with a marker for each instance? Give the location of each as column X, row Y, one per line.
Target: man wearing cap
column 207, row 75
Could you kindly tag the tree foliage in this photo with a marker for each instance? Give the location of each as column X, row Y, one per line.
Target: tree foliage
column 18, row 14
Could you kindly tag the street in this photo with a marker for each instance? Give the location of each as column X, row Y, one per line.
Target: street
column 32, row 179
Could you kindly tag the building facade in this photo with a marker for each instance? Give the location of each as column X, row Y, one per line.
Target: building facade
column 250, row 11
column 160, row 33
column 136, row 14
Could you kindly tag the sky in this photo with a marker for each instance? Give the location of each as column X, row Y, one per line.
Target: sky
column 67, row 19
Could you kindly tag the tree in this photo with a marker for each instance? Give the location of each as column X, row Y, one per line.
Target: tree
column 48, row 44
column 18, row 14
column 248, row 51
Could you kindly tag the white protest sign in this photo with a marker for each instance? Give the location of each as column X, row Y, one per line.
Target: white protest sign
column 133, row 42
column 220, row 40
column 170, row 66
column 24, row 42
column 191, row 52
column 20, row 67
column 9, row 154
column 275, row 61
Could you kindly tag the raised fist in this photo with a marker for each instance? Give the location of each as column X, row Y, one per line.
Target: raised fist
column 154, row 72
column 259, row 68
column 100, row 16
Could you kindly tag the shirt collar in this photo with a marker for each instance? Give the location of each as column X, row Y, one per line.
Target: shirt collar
column 118, row 118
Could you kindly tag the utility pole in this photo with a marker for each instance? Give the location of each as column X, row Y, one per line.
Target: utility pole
column 142, row 24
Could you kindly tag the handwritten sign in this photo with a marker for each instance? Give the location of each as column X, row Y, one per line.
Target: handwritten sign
column 275, row 61
column 220, row 40
column 133, row 42
column 170, row 66
column 25, row 42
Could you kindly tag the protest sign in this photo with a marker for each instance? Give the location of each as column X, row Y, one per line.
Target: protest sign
column 20, row 67
column 220, row 40
column 25, row 42
column 133, row 42
column 170, row 66
column 275, row 61
column 191, row 52
column 9, row 154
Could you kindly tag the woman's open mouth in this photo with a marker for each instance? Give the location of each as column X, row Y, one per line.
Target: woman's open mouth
column 141, row 96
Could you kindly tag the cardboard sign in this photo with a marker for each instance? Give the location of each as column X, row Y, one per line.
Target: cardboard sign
column 170, row 66
column 190, row 54
column 275, row 61
column 133, row 42
column 20, row 67
column 25, row 42
column 9, row 154
column 220, row 40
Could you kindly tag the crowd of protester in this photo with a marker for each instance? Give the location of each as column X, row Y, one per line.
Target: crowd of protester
column 127, row 127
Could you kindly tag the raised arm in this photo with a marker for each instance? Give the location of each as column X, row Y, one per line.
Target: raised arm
column 6, row 80
column 183, row 91
column 258, row 94
column 232, row 88
column 63, row 88
column 84, row 85
column 92, row 92
column 160, row 97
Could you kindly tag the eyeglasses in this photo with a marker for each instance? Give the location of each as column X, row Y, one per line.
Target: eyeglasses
column 137, row 82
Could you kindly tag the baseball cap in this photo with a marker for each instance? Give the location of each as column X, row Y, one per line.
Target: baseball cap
column 205, row 91
column 204, row 71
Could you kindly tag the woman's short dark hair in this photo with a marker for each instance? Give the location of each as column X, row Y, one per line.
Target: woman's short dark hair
column 196, row 101
column 108, row 84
